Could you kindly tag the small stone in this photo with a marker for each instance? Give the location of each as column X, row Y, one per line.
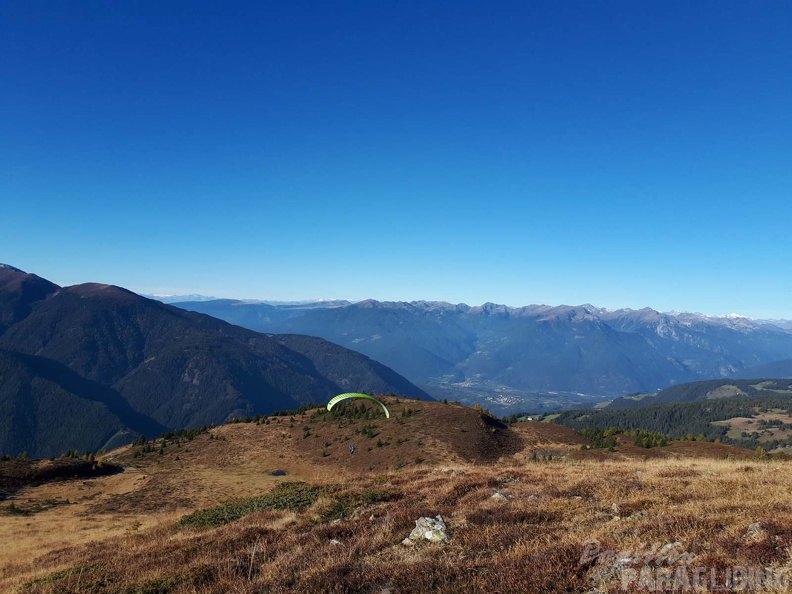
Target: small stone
column 335, row 542
column 431, row 529
column 500, row 496
column 755, row 532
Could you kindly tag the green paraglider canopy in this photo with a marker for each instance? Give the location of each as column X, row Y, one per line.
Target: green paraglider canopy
column 341, row 397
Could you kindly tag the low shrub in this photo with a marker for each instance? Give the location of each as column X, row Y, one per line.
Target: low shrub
column 292, row 496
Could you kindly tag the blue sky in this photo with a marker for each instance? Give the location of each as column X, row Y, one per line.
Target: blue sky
column 618, row 153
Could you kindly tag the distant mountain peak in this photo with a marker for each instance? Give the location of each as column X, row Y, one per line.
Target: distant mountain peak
column 178, row 298
column 374, row 304
column 12, row 268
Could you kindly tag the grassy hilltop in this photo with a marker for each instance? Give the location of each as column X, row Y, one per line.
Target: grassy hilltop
column 207, row 512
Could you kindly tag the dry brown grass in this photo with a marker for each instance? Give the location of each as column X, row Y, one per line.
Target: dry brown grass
column 120, row 534
column 531, row 542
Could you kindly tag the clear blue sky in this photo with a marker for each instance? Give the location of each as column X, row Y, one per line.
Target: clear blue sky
column 634, row 153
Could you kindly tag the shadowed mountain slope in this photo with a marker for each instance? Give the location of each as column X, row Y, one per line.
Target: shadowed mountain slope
column 18, row 292
column 172, row 367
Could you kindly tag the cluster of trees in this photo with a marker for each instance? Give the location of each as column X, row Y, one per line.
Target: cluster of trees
column 146, row 446
column 292, row 412
column 481, row 410
column 90, row 456
column 774, row 424
column 683, row 420
column 7, row 457
column 648, row 439
column 608, row 438
column 601, row 438
column 369, row 430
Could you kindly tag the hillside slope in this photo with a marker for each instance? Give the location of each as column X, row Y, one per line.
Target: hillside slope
column 18, row 292
column 44, row 405
column 281, row 504
column 706, row 390
column 173, row 367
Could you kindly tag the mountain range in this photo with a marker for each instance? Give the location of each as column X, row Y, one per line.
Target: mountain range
column 93, row 365
column 535, row 357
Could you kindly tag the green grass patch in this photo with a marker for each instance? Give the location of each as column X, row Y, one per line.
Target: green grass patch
column 86, row 574
column 292, row 496
column 344, row 504
column 197, row 576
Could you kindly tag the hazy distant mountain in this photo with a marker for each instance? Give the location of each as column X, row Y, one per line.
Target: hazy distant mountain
column 179, row 298
column 194, row 298
column 774, row 369
column 256, row 315
column 706, row 390
column 784, row 324
column 501, row 354
column 103, row 356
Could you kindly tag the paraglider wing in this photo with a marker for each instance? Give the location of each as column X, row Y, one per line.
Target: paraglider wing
column 341, row 397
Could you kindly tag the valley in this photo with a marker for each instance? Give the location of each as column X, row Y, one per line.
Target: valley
column 536, row 357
